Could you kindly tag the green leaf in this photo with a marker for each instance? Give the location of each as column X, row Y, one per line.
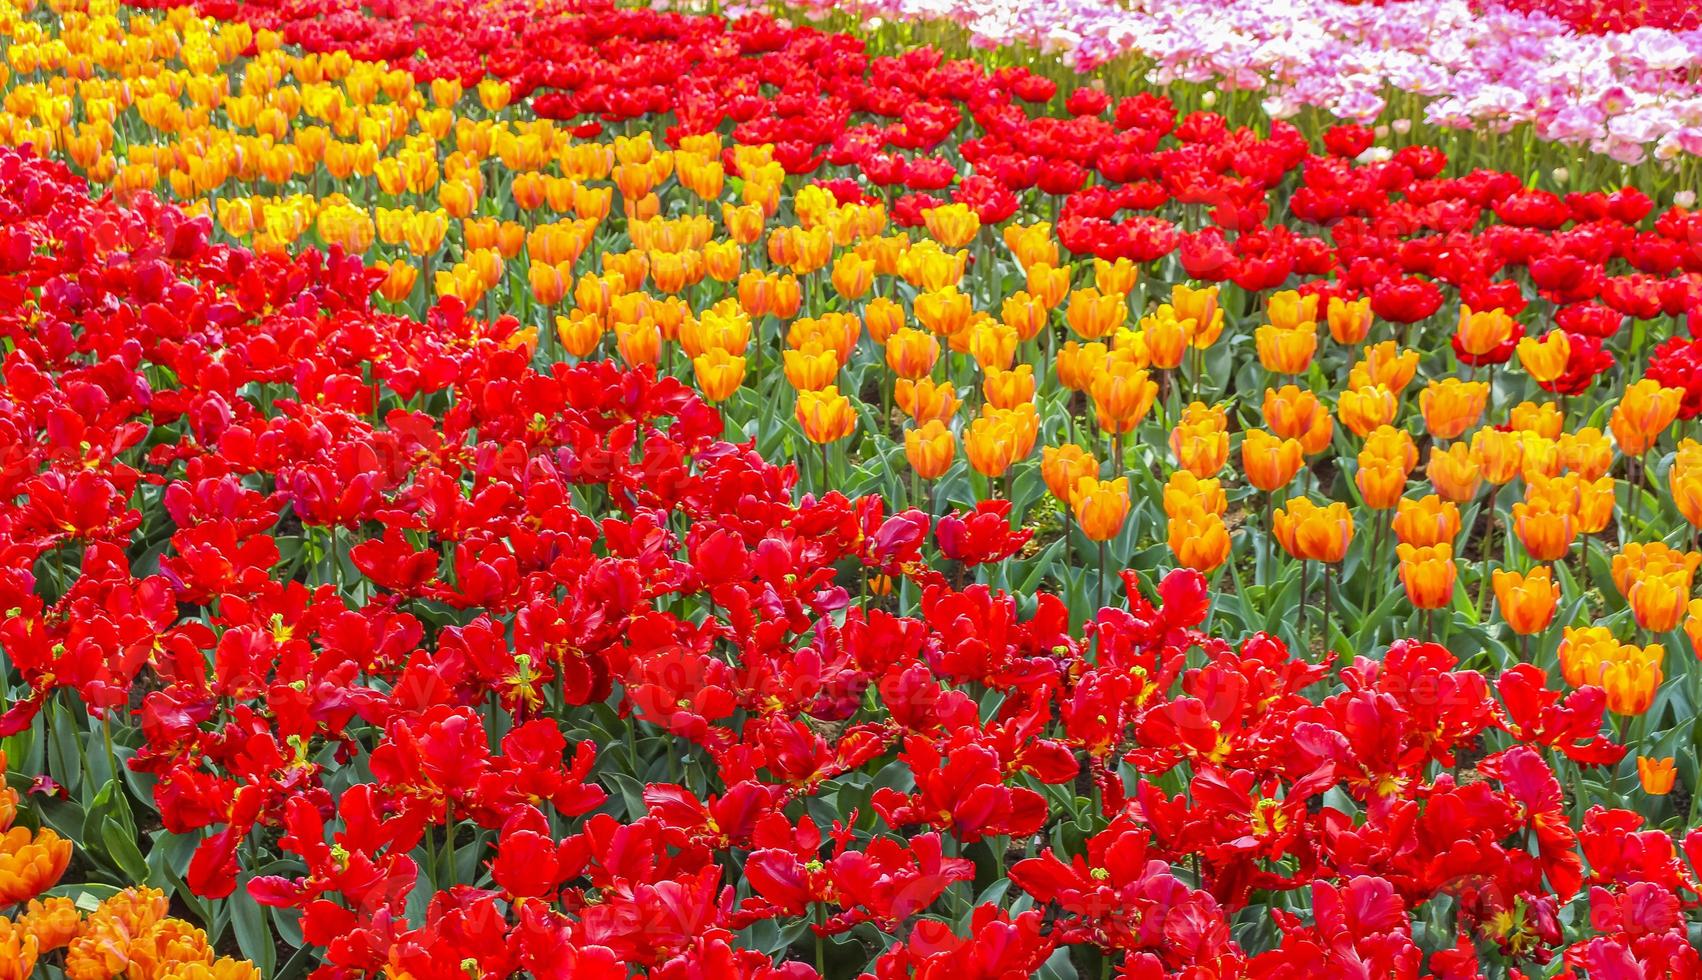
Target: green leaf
column 253, row 930
column 121, row 847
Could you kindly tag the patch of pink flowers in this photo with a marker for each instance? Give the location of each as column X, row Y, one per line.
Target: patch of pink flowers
column 1632, row 95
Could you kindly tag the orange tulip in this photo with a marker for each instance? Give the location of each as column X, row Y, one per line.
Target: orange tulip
column 1544, row 418
column 1586, row 452
column 1544, row 528
column 992, row 444
column 1365, row 409
column 1385, row 364
column 1100, row 506
column 812, row 368
column 1200, row 441
column 1527, row 601
column 1289, row 310
column 883, row 317
column 1200, row 306
column 1451, row 406
column 1286, row 351
column 912, row 353
column 1313, row 533
column 1659, row 602
column 1428, row 574
column 1167, row 338
column 1429, row 520
column 930, row 449
column 1693, row 626
column 1062, row 467
column 1122, row 395
column 1685, row 478
column 1120, row 276
column 1295, row 413
column 1480, row 333
column 1092, row 314
column 1636, row 559
column 1627, row 673
column 1545, row 359
column 1454, row 472
column 826, row 415
column 1350, row 320
column 925, row 399
column 1199, row 539
column 1499, row 454
column 1643, row 413
column 1656, row 775
column 1184, row 492
column 1078, row 363
column 1270, row 462
column 719, row 374
column 952, row 225
column 31, row 863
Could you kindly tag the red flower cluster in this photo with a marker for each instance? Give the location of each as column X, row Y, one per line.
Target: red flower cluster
column 493, row 613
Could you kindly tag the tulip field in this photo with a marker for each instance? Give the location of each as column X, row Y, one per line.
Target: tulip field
column 904, row 490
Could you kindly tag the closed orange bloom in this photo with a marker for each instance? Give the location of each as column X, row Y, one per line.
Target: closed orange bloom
column 30, row 863
column 1031, row 244
column 1656, row 775
column 1270, row 462
column 930, row 449
column 1586, row 452
column 1024, row 314
column 1479, row 333
column 1592, row 501
column 1200, row 440
column 580, row 332
column 639, row 343
column 1166, row 337
column 925, row 399
column 1659, row 602
column 1062, row 467
column 992, row 444
column 1693, row 626
column 1008, row 389
column 1122, row 395
column 1049, row 285
column 549, row 283
column 1429, row 520
column 1527, row 601
column 1289, row 310
column 1643, row 413
column 1499, row 454
column 825, row 415
column 912, row 353
column 1428, row 574
column 1582, row 650
column 1295, row 413
column 1631, row 681
column 1637, row 560
column 1350, row 320
column 1200, row 306
column 788, row 296
column 1313, row 533
column 1092, row 314
column 1545, row 359
column 721, row 260
column 724, row 325
column 1285, row 351
column 1454, row 472
column 1452, row 406
column 1078, row 363
column 1381, row 480
column 1539, row 456
column 1543, row 418
column 1384, row 364
column 1365, row 409
column 944, row 311
column 399, row 279
column 812, row 368
column 1685, row 477
column 992, row 344
column 719, row 374
column 852, row 275
column 1100, row 506
column 1199, row 540
column 1184, row 492
column 1544, row 528
column 952, row 225
column 1120, row 276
